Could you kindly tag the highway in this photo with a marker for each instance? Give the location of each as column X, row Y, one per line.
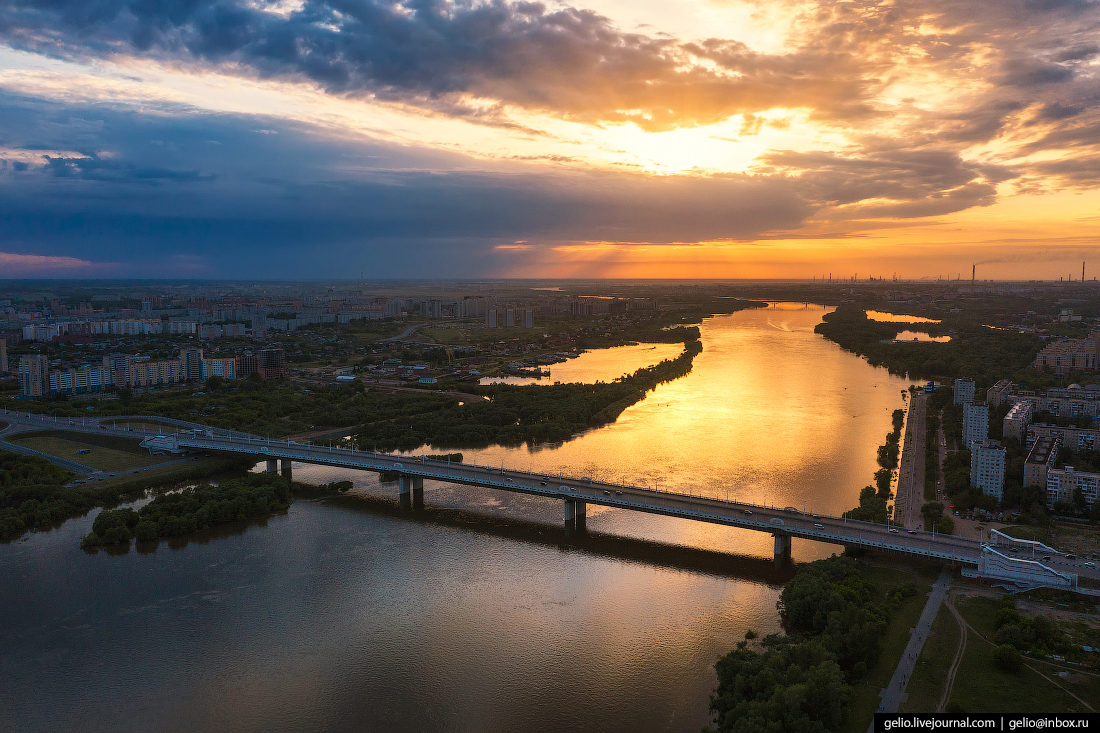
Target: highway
column 773, row 520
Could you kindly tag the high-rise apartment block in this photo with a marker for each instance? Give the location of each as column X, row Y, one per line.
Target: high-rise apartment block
column 1016, row 421
column 964, row 391
column 191, row 360
column 33, row 375
column 975, row 422
column 987, row 467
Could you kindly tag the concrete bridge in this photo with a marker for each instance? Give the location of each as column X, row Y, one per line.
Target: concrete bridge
column 576, row 493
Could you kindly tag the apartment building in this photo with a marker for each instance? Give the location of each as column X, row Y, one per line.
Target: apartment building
column 1063, row 483
column 1016, row 421
column 1075, row 439
column 975, row 422
column 964, row 391
column 987, row 467
column 1040, row 460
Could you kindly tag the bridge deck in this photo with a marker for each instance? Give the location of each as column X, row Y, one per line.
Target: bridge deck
column 732, row 513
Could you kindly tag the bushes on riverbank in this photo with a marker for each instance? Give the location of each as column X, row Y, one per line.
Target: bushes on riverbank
column 873, row 500
column 193, row 509
column 33, row 495
column 525, row 414
column 834, row 620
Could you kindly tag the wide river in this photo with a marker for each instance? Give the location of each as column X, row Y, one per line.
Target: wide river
column 476, row 614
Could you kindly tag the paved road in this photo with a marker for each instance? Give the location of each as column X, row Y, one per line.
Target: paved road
column 894, row 694
column 910, row 494
column 404, row 334
column 775, row 520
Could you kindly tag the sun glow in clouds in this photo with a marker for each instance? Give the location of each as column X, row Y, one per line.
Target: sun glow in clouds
column 817, row 134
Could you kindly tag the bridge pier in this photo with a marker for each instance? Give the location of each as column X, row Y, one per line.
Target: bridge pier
column 272, row 465
column 575, row 516
column 418, row 492
column 782, row 546
column 287, row 473
column 405, row 491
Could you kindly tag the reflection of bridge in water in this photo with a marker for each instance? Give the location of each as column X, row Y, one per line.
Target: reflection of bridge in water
column 577, row 493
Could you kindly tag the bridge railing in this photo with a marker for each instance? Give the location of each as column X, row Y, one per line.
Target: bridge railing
column 212, row 439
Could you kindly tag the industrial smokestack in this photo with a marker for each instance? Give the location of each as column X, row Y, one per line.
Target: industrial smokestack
column 973, row 272
column 1082, row 272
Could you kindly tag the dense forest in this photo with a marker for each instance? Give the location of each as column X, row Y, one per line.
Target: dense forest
column 526, row 414
column 272, row 408
column 834, row 619
column 983, row 354
column 191, row 510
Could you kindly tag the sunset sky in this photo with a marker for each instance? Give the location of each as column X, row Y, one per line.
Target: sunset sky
column 599, row 138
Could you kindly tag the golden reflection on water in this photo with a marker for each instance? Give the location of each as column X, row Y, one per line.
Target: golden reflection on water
column 599, row 365
column 922, row 337
column 882, row 317
column 771, row 413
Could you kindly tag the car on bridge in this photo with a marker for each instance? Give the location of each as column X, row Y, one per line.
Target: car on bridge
column 819, row 526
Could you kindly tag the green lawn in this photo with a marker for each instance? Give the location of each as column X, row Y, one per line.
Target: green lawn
column 865, row 694
column 105, row 458
column 926, row 685
column 980, row 687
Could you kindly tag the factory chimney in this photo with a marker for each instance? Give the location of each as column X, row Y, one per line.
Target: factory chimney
column 1082, row 272
column 973, row 272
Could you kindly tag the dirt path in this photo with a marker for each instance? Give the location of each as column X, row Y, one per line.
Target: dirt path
column 1048, row 679
column 949, row 683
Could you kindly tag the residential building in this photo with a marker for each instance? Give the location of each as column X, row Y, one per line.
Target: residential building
column 1040, row 460
column 272, row 363
column 191, row 360
column 224, row 368
column 998, row 393
column 1069, row 355
column 975, row 422
column 3, row 356
column 964, row 391
column 87, row 378
column 529, row 318
column 491, row 318
column 154, row 373
column 33, row 376
column 987, row 467
column 1016, row 421
column 1075, row 439
column 1063, row 483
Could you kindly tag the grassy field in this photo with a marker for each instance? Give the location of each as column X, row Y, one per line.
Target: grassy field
column 865, row 694
column 980, row 687
column 168, row 475
column 98, row 456
column 926, row 685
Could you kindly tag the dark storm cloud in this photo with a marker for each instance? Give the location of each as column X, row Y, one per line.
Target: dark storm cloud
column 566, row 61
column 150, row 188
column 1018, row 73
